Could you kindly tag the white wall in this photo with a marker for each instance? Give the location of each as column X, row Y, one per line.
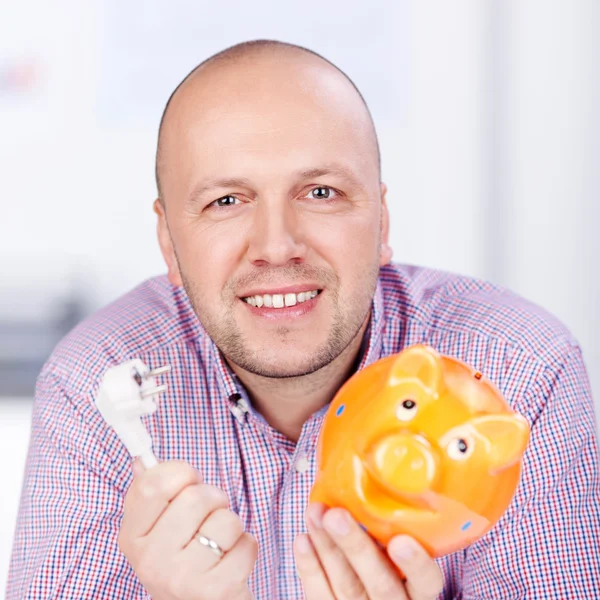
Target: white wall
column 553, row 163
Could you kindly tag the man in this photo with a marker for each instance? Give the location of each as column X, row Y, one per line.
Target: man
column 274, row 226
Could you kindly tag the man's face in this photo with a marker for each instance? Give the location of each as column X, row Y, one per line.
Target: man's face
column 276, row 225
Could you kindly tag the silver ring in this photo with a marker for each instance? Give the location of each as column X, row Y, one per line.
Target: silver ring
column 211, row 545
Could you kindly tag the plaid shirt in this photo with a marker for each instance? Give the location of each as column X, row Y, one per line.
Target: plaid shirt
column 78, row 471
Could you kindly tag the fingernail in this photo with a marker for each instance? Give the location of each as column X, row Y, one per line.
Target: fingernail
column 338, row 522
column 302, row 544
column 402, row 548
column 315, row 514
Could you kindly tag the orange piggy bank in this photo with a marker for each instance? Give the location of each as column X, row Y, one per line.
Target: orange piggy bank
column 420, row 444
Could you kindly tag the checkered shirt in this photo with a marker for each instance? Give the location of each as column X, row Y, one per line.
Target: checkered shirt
column 545, row 546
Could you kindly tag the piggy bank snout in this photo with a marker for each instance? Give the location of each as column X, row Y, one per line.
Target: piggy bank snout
column 404, row 463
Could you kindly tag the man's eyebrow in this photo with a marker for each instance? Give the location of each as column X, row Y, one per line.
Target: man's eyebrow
column 336, row 170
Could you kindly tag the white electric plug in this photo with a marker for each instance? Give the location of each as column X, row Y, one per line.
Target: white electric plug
column 128, row 392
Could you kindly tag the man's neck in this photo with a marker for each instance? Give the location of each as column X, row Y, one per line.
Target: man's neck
column 287, row 403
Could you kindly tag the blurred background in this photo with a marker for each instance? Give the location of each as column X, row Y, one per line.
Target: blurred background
column 487, row 115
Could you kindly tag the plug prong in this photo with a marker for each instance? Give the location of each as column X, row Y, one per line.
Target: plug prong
column 153, row 391
column 158, row 371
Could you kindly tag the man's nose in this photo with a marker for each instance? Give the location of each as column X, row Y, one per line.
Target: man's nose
column 276, row 237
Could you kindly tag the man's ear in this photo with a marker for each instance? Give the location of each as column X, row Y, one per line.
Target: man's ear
column 166, row 244
column 386, row 251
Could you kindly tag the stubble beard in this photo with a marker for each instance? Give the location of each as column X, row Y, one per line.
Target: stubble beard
column 228, row 338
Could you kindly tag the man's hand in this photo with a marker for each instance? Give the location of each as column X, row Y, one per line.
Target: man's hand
column 165, row 508
column 339, row 560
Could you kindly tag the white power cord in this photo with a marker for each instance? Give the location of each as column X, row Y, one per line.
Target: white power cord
column 128, row 392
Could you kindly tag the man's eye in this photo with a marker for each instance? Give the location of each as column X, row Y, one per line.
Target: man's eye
column 224, row 201
column 322, row 193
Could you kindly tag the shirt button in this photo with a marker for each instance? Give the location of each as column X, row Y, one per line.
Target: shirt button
column 302, row 464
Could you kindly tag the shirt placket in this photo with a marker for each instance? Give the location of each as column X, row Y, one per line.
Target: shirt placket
column 292, row 505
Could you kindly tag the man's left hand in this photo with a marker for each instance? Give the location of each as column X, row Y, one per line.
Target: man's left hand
column 339, row 560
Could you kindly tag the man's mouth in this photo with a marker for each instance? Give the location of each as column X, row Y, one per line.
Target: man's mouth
column 280, row 300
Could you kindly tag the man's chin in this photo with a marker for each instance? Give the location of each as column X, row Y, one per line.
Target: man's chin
column 283, row 366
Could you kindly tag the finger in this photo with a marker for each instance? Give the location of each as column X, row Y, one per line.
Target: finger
column 424, row 579
column 150, row 494
column 343, row 580
column 378, row 575
column 314, row 580
column 184, row 515
column 238, row 563
column 224, row 527
column 222, row 578
column 221, row 526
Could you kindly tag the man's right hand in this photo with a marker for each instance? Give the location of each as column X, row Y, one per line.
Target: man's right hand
column 165, row 508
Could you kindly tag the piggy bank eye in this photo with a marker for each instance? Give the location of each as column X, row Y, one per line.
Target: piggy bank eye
column 460, row 449
column 406, row 410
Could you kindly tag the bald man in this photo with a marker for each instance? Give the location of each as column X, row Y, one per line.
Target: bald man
column 273, row 223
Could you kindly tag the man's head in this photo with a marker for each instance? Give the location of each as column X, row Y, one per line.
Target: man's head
column 269, row 187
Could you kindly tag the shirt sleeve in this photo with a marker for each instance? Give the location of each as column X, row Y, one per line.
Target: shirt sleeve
column 65, row 544
column 546, row 544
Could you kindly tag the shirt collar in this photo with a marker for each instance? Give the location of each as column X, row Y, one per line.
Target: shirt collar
column 372, row 342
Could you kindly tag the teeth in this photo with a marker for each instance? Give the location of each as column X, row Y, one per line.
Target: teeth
column 277, row 300
column 280, row 300
column 290, row 299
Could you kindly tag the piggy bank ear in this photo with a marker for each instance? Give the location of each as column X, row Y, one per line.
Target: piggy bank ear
column 418, row 362
column 505, row 436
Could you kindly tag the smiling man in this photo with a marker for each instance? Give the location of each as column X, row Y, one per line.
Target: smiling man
column 273, row 217
column 273, row 222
